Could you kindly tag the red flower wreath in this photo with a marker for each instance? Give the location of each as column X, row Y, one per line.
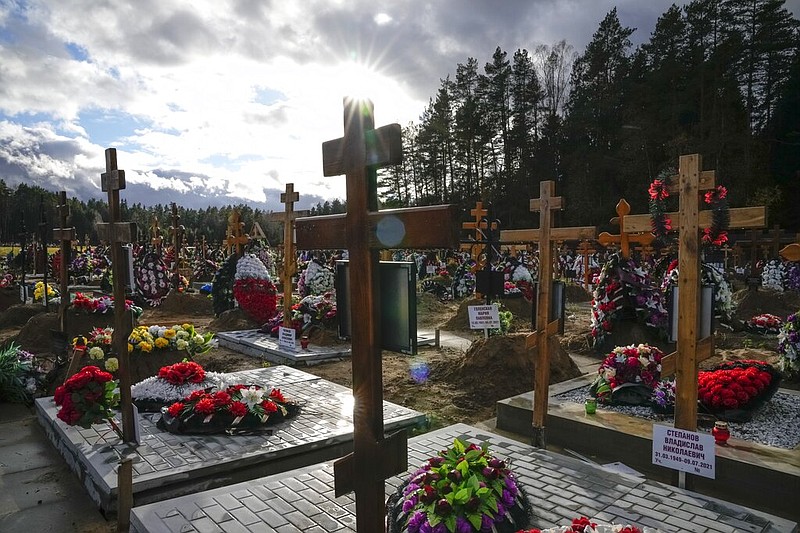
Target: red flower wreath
column 716, row 199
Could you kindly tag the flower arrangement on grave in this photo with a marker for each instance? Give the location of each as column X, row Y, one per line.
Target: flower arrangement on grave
column 464, row 279
column 6, row 280
column 464, row 488
column 765, row 324
column 21, row 375
column 792, row 276
column 625, row 287
column 172, row 384
column 222, row 286
column 180, row 337
column 310, row 311
column 772, row 277
column 87, row 398
column 100, row 304
column 663, row 397
column 254, row 290
column 733, row 390
column 231, row 409
column 152, row 278
column 316, row 279
column 628, row 375
column 584, row 525
column 716, row 199
column 724, row 305
column 38, row 291
column 81, row 267
column 789, row 345
column 203, row 269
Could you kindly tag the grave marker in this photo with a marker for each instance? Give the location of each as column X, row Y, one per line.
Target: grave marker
column 586, row 251
column 177, row 229
column 65, row 235
column 42, row 235
column 479, row 214
column 115, row 233
column 288, row 217
column 363, row 230
column 156, row 238
column 624, row 239
column 236, row 238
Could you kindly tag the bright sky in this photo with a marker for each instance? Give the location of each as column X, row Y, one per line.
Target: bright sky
column 211, row 102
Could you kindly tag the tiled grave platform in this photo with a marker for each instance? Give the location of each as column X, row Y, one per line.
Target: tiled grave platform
column 257, row 344
column 746, row 471
column 559, row 488
column 167, row 465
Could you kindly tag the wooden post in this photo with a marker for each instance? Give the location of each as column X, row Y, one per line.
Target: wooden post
column 65, row 235
column 177, row 231
column 115, row 233
column 479, row 214
column 236, row 238
column 624, row 239
column 586, row 250
column 363, row 231
column 155, row 235
column 288, row 217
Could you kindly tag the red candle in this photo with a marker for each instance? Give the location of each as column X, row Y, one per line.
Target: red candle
column 720, row 432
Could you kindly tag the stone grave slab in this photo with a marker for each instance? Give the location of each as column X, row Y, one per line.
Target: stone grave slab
column 167, row 465
column 745, row 471
column 559, row 488
column 255, row 343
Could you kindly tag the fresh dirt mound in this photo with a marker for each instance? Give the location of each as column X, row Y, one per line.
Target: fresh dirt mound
column 500, row 367
column 18, row 315
column 232, row 320
column 460, row 321
column 35, row 335
column 751, row 303
column 431, row 310
column 184, row 303
column 519, row 307
column 576, row 293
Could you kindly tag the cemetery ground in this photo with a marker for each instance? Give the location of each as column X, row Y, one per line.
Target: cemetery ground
column 446, row 383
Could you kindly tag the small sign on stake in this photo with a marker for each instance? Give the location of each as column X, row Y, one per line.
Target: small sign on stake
column 686, row 451
column 287, row 338
column 484, row 317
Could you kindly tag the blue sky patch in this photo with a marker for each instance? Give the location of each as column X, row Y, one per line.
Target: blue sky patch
column 77, row 52
column 268, row 96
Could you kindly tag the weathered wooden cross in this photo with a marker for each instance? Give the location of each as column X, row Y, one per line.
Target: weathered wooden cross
column 546, row 327
column 177, row 229
column 115, row 233
column 363, row 231
column 586, row 251
column 288, row 217
column 66, row 236
column 479, row 214
column 624, row 239
column 690, row 349
column 236, row 238
column 155, row 231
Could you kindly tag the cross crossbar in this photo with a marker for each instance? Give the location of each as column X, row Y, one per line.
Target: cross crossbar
column 383, row 146
column 523, row 236
column 741, row 217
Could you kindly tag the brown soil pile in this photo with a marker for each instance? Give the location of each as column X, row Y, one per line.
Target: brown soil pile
column 18, row 315
column 232, row 320
column 35, row 335
column 431, row 311
column 751, row 303
column 576, row 293
column 184, row 303
column 499, row 367
column 519, row 307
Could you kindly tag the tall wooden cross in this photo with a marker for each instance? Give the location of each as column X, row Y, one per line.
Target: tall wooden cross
column 177, row 229
column 115, row 233
column 66, row 236
column 236, row 238
column 546, row 327
column 624, row 239
column 691, row 349
column 479, row 214
column 288, row 217
column 363, row 231
column 155, row 231
column 586, row 251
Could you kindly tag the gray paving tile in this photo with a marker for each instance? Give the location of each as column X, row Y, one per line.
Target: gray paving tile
column 631, row 499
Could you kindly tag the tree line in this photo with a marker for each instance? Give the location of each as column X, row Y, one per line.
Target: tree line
column 717, row 77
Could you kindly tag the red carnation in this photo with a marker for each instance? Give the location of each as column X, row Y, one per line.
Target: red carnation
column 175, row 409
column 269, row 406
column 205, row 406
column 238, row 409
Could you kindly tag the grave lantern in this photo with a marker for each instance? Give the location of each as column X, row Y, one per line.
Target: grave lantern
column 706, row 312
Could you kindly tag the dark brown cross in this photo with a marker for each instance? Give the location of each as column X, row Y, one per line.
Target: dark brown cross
column 155, row 231
column 66, row 235
column 688, row 220
column 236, row 238
column 115, row 233
column 203, row 250
column 177, row 230
column 624, row 239
column 545, row 326
column 479, row 214
column 288, row 217
column 363, row 231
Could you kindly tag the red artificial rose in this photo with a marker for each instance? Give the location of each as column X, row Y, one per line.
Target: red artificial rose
column 196, row 395
column 277, row 395
column 221, row 399
column 238, row 409
column 205, row 406
column 175, row 409
column 269, row 406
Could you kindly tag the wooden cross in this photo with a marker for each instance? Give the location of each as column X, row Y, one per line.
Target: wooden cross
column 725, row 251
column 545, row 326
column 479, row 214
column 155, row 231
column 203, row 250
column 115, row 233
column 236, row 238
column 288, row 217
column 256, row 233
column 177, row 231
column 65, row 235
column 690, row 349
column 364, row 230
column 624, row 239
column 586, row 251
